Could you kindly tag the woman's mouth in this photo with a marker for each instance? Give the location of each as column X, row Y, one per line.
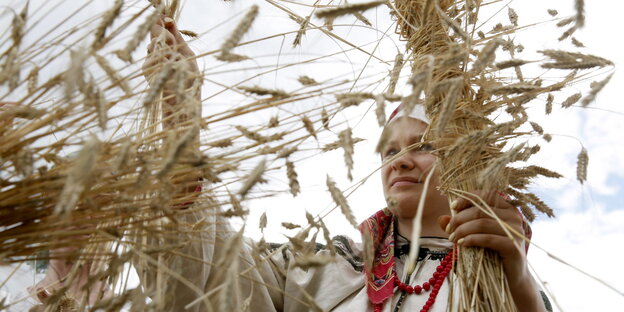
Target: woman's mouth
column 404, row 181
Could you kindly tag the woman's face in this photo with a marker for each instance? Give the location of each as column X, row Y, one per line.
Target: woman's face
column 403, row 178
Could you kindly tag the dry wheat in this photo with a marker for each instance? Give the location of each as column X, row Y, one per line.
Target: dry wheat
column 33, row 79
column 273, row 122
column 107, row 20
column 353, row 99
column 362, row 18
column 536, row 127
column 549, row 103
column 448, row 106
column 577, row 43
column 79, row 177
column 125, row 54
column 157, row 85
column 293, row 183
column 290, row 226
column 571, row 100
column 513, row 16
column 486, row 56
column 596, row 87
column 302, row 30
column 113, row 75
column 396, row 71
column 325, row 118
column 340, row 201
column 572, row 60
column 309, row 261
column 189, row 33
column 579, row 5
column 253, row 178
column 380, row 109
column 347, row 143
column 347, row 9
column 263, row 222
column 309, row 126
column 241, row 29
column 276, row 93
column 307, row 81
column 510, row 63
column 581, row 165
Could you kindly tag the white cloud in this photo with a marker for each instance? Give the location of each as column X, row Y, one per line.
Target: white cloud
column 590, row 241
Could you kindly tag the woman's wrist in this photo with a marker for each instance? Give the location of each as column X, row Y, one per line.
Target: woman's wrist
column 526, row 295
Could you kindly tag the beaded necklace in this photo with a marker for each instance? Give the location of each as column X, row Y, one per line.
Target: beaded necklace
column 434, row 284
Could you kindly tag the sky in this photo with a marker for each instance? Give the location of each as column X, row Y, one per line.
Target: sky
column 589, row 227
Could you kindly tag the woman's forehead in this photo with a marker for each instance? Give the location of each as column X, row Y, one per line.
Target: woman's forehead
column 407, row 126
column 405, row 130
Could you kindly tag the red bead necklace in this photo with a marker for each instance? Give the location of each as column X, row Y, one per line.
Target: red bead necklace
column 434, row 284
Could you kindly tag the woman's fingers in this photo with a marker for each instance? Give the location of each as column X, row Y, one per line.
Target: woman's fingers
column 159, row 50
column 166, row 32
column 167, row 44
column 502, row 244
column 473, row 226
column 508, row 216
column 181, row 45
column 484, row 226
column 444, row 221
column 477, row 226
column 463, row 203
column 492, row 198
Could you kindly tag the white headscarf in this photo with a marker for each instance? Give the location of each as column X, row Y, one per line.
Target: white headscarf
column 418, row 112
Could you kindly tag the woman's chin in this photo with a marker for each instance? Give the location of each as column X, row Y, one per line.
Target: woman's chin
column 403, row 204
column 405, row 197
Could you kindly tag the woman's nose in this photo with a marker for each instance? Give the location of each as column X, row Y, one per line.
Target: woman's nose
column 404, row 162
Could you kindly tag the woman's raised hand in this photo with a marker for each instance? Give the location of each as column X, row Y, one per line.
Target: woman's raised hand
column 166, row 44
column 166, row 47
column 169, row 57
column 57, row 277
column 182, row 84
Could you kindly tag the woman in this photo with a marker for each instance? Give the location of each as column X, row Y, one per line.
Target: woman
column 403, row 180
column 275, row 283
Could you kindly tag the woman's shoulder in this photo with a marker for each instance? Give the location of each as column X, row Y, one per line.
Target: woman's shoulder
column 340, row 245
column 349, row 250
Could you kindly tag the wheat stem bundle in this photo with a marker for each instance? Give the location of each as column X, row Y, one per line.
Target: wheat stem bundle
column 459, row 99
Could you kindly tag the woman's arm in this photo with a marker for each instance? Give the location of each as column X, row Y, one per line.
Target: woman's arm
column 181, row 104
column 471, row 227
column 178, row 113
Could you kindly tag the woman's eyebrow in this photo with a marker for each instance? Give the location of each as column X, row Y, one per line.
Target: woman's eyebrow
column 417, row 138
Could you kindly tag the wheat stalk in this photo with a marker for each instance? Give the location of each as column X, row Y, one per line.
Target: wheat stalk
column 340, row 201
column 330, row 14
column 237, row 34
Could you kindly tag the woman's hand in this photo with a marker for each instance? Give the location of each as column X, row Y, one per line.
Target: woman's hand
column 166, row 45
column 472, row 226
column 56, row 277
column 181, row 105
column 181, row 90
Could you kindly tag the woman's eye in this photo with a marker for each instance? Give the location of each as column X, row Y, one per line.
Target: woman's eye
column 425, row 147
column 390, row 152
